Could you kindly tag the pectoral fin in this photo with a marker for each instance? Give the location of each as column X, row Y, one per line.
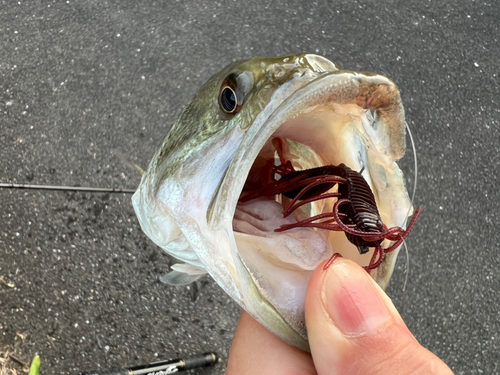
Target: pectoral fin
column 182, row 274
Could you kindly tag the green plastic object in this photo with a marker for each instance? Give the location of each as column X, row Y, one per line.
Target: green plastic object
column 35, row 366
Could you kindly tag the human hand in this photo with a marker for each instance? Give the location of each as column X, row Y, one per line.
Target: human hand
column 353, row 328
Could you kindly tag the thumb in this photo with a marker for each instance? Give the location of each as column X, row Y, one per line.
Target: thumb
column 354, row 328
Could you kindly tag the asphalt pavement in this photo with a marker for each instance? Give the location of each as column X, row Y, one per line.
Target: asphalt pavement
column 79, row 281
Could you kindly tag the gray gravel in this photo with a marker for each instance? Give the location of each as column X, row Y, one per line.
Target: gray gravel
column 79, row 79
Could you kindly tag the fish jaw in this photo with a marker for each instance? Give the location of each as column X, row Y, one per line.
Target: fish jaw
column 187, row 202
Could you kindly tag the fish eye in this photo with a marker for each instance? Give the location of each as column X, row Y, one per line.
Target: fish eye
column 228, row 100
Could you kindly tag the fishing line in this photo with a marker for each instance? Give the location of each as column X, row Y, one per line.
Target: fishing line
column 407, row 265
column 415, row 167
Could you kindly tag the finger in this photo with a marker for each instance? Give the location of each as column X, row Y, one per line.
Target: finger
column 354, row 328
column 255, row 350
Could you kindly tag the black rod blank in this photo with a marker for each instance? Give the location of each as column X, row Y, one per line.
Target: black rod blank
column 66, row 188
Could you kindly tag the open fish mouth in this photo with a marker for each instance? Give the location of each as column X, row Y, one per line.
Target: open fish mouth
column 246, row 124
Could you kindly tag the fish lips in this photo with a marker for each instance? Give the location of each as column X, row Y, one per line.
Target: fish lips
column 339, row 117
column 367, row 133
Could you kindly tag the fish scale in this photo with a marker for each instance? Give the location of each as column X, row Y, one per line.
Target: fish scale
column 188, row 196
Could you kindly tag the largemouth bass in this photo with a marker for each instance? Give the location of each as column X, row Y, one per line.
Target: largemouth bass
column 244, row 123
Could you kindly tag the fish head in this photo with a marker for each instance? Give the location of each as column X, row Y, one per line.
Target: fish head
column 301, row 109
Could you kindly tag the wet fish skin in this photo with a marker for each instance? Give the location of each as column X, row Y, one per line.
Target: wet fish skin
column 201, row 128
column 202, row 118
column 187, row 197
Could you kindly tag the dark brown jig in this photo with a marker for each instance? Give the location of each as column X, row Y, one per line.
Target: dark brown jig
column 355, row 212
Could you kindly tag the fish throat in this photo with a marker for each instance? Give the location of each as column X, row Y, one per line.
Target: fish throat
column 353, row 207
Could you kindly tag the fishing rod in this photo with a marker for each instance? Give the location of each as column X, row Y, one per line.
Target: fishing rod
column 116, row 152
column 8, row 185
column 165, row 367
